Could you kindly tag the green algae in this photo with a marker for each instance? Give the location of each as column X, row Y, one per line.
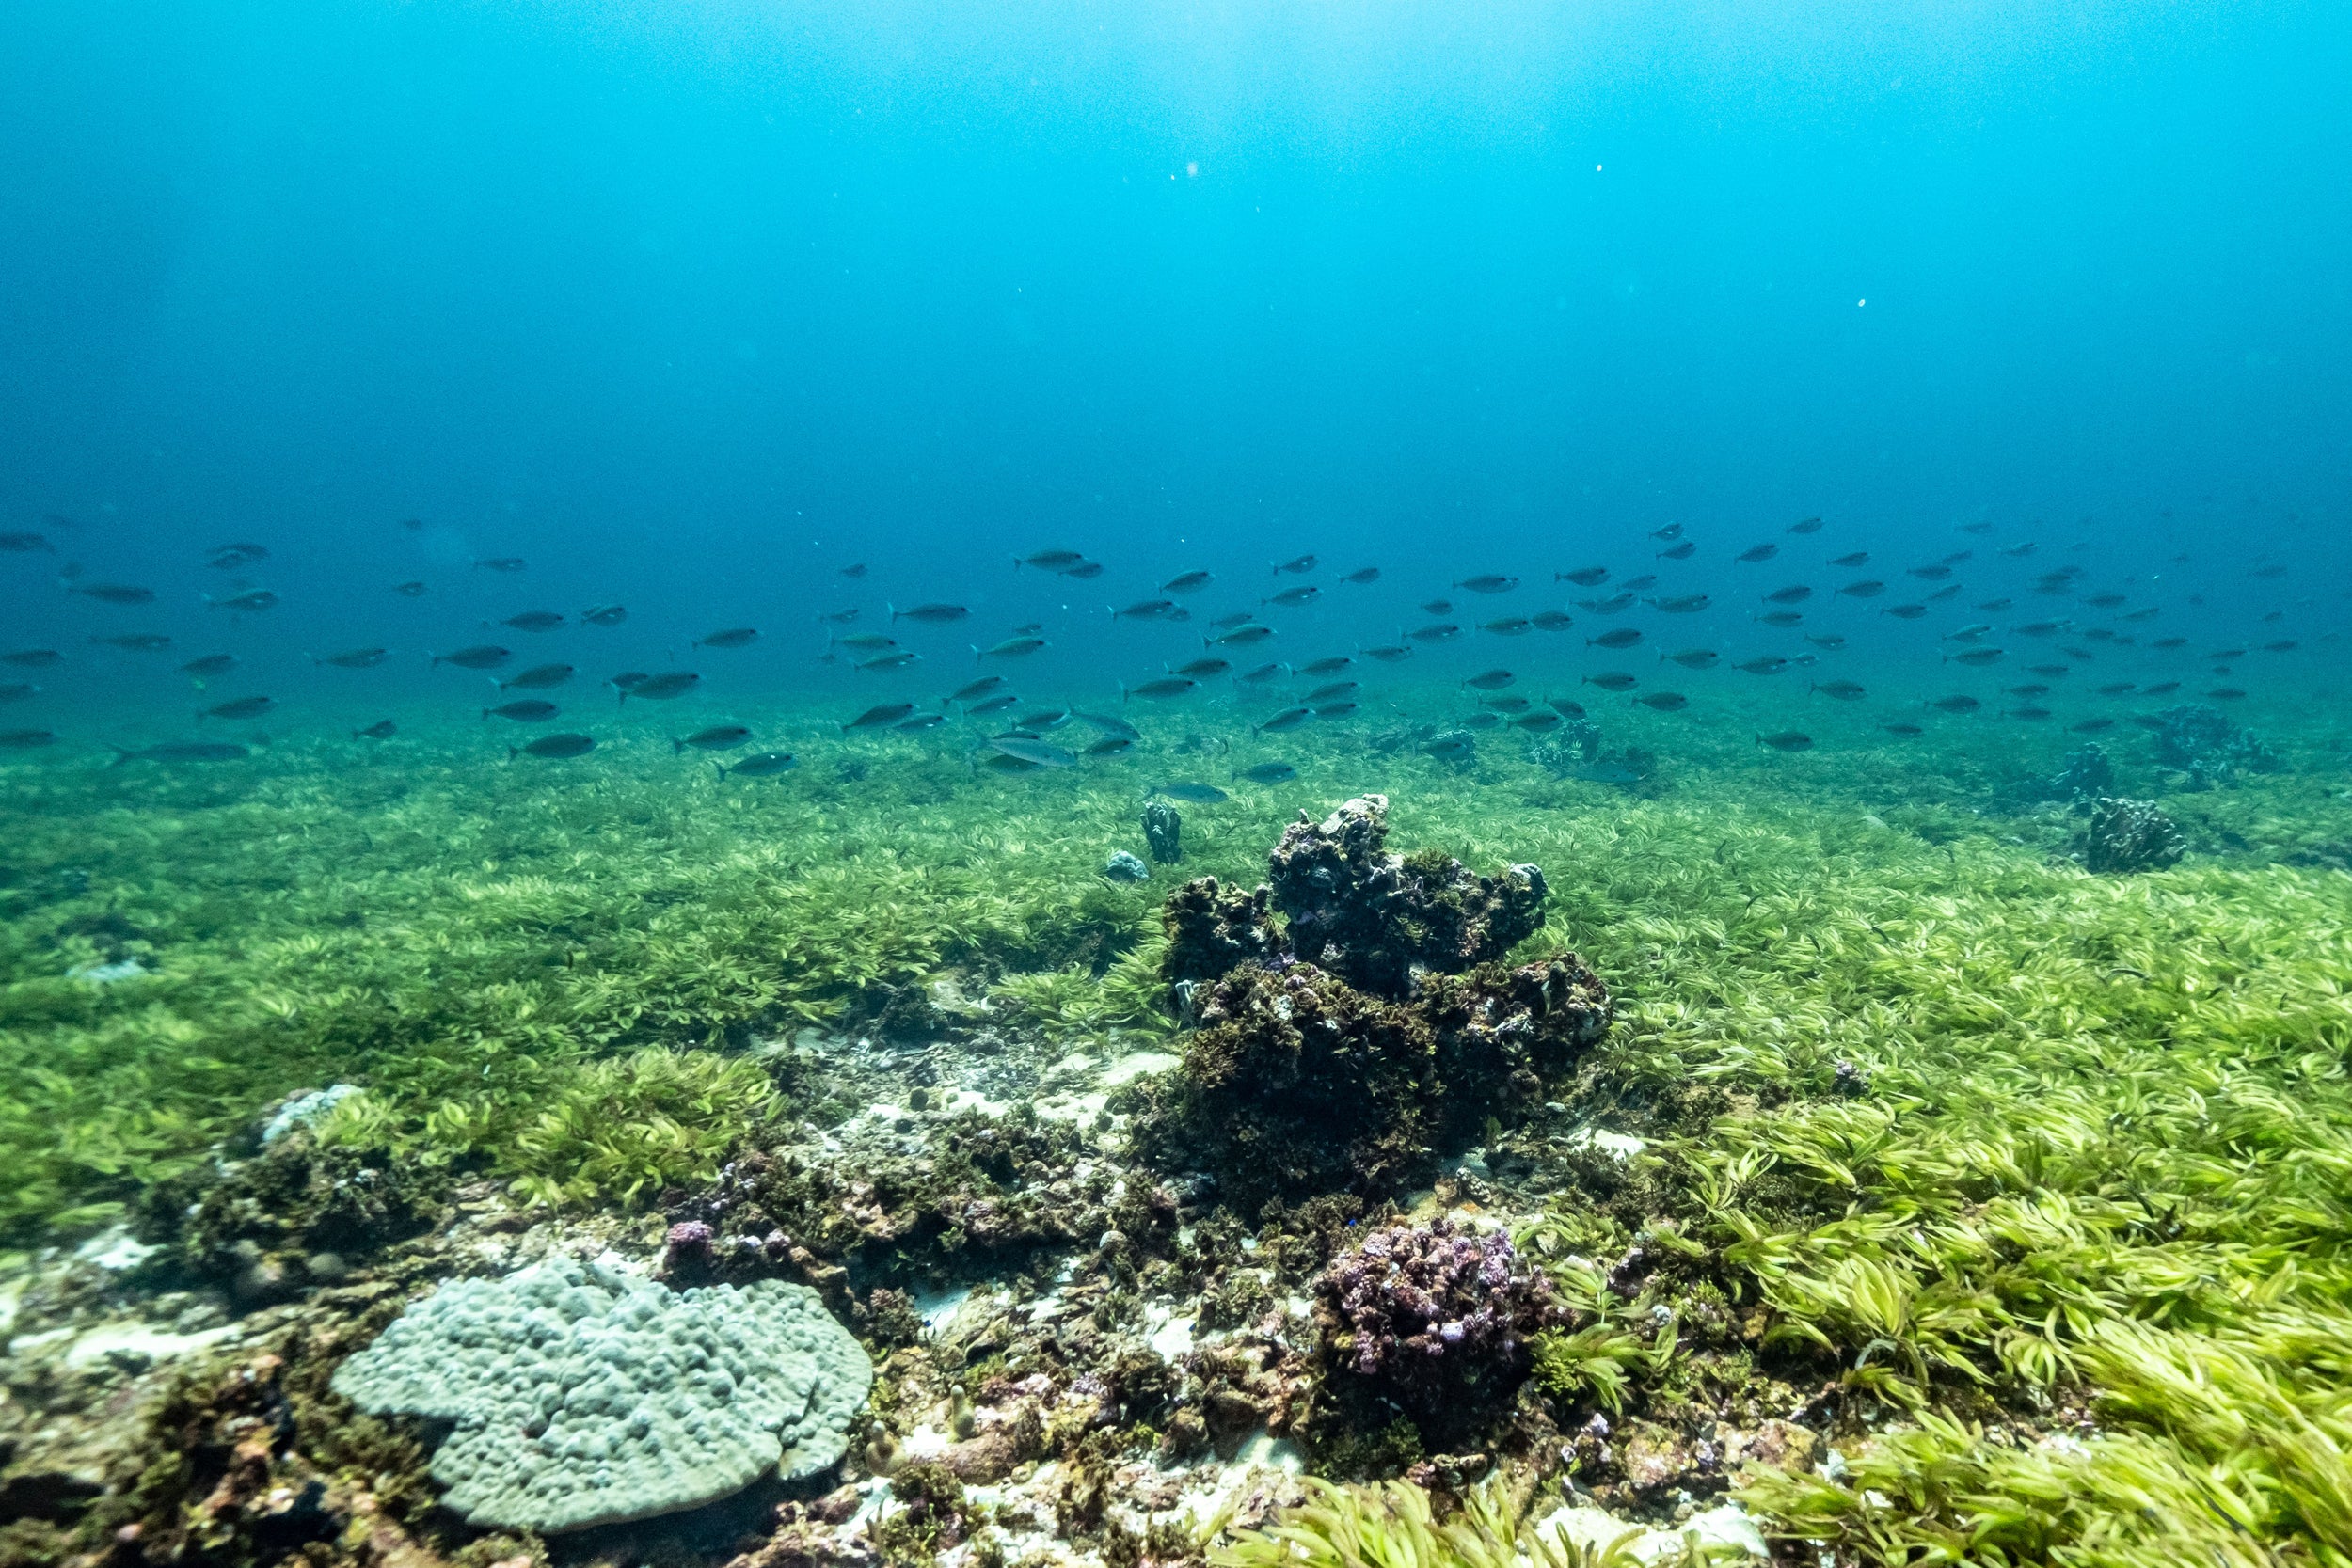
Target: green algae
column 2089, row 1151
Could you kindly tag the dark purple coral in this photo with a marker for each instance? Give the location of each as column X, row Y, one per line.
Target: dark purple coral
column 688, row 1247
column 1432, row 1313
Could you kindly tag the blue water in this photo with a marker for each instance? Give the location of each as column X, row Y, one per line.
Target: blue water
column 692, row 305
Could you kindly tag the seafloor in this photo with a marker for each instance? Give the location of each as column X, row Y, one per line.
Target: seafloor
column 1932, row 1197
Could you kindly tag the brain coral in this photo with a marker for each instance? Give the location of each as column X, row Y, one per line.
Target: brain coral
column 585, row 1397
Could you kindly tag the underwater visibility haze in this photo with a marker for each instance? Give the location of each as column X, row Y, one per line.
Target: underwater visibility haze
column 1052, row 784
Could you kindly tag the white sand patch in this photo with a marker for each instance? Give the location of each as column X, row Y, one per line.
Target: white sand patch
column 1725, row 1532
column 115, row 1251
column 1172, row 1338
column 1623, row 1144
column 1140, row 1064
column 141, row 1340
column 107, row 974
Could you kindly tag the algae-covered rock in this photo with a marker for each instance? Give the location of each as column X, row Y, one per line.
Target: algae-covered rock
column 2087, row 774
column 1295, row 1082
column 982, row 1195
column 1211, row 930
column 1379, row 920
column 298, row 1213
column 2208, row 746
column 1163, row 831
column 1343, row 1053
column 585, row 1397
column 2130, row 835
column 1502, row 1030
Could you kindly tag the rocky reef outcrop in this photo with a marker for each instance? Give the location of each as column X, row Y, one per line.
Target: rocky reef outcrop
column 1163, row 831
column 1344, row 1048
column 2129, row 835
column 294, row 1215
column 1378, row 921
column 2209, row 746
column 1213, row 929
column 2088, row 775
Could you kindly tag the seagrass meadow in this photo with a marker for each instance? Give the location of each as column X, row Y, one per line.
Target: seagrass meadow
column 1966, row 1134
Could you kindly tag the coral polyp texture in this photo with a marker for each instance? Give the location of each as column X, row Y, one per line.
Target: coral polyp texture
column 582, row 1396
column 1435, row 1314
column 1347, row 1062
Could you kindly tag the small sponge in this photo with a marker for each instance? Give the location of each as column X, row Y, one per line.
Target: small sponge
column 583, row 1396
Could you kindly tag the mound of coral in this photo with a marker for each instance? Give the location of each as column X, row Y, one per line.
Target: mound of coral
column 1432, row 1317
column 581, row 1396
column 1341, row 1048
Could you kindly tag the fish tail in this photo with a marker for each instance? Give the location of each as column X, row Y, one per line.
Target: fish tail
column 891, row 609
column 975, row 651
column 677, row 747
column 723, row 770
column 514, row 752
column 123, row 755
